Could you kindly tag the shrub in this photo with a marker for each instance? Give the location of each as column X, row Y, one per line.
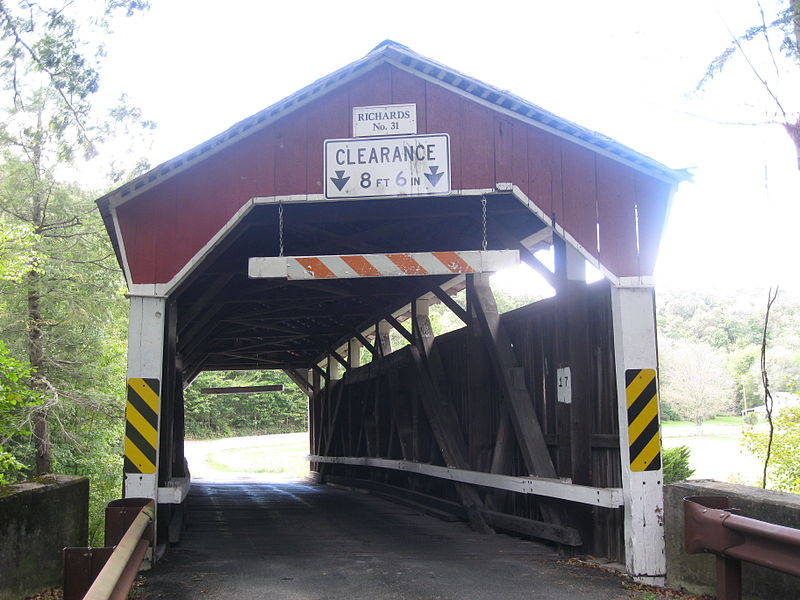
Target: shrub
column 784, row 465
column 676, row 464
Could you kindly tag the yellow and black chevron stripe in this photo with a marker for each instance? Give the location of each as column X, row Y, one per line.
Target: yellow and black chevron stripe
column 644, row 438
column 141, row 425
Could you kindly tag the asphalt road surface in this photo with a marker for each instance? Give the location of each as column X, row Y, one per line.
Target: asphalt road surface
column 302, row 541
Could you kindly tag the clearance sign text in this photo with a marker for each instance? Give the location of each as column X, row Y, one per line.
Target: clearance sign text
column 415, row 165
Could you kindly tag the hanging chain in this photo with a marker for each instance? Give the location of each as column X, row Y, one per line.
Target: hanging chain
column 483, row 208
column 280, row 229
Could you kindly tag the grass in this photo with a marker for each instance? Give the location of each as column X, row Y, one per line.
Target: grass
column 721, row 420
column 287, row 458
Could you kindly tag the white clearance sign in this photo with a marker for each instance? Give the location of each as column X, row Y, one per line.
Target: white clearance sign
column 414, row 165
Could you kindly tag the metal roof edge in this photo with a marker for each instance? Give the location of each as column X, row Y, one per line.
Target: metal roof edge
column 246, row 126
column 528, row 111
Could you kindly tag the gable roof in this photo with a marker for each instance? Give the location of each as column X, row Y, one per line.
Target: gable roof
column 400, row 56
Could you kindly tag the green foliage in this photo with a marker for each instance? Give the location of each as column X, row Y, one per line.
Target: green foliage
column 220, row 415
column 694, row 382
column 731, row 324
column 783, row 472
column 15, row 398
column 676, row 464
column 93, row 451
column 61, row 302
column 17, row 254
column 783, row 27
column 52, row 71
column 668, row 413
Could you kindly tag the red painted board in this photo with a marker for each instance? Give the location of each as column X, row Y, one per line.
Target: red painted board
column 477, row 146
column 652, row 198
column 328, row 118
column 291, row 154
column 374, row 88
column 408, row 89
column 503, row 150
column 580, row 195
column 544, row 163
column 138, row 235
column 257, row 177
column 616, row 213
column 444, row 116
column 519, row 159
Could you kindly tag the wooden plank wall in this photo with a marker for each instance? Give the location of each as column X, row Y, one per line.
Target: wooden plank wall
column 376, row 411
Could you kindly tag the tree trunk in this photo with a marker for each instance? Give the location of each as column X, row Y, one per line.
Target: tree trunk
column 36, row 325
column 41, row 429
column 793, row 129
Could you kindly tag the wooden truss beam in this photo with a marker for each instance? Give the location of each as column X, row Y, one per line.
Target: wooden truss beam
column 299, row 380
column 244, row 389
column 444, row 425
column 504, row 361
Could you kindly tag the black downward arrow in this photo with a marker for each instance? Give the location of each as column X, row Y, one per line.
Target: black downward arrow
column 339, row 180
column 434, row 176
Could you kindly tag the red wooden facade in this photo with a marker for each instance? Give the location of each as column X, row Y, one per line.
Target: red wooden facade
column 584, row 182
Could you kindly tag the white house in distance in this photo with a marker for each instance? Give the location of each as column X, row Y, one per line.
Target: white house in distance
column 780, row 401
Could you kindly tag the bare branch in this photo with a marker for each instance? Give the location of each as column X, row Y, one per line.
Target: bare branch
column 766, row 39
column 765, row 382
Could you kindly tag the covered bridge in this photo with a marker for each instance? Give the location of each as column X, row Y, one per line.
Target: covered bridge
column 298, row 238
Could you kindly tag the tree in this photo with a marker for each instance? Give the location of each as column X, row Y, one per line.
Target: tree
column 784, row 466
column 15, row 398
column 212, row 415
column 771, row 51
column 694, row 381
column 50, row 74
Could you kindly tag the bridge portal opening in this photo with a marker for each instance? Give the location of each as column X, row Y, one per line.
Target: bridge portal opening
column 296, row 241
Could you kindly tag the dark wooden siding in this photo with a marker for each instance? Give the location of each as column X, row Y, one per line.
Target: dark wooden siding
column 374, row 412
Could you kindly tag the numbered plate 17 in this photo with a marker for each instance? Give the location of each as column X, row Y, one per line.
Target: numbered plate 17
column 414, row 165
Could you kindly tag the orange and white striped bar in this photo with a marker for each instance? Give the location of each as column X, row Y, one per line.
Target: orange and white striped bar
column 350, row 266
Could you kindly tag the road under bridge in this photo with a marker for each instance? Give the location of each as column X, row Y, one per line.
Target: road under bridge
column 253, row 540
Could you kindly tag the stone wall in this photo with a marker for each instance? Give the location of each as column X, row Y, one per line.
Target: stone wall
column 695, row 572
column 38, row 518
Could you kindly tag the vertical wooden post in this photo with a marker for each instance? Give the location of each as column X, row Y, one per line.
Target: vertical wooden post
column 353, row 353
column 146, row 332
column 313, row 415
column 383, row 342
column 574, row 410
column 421, row 324
column 145, row 361
column 334, row 369
column 633, row 312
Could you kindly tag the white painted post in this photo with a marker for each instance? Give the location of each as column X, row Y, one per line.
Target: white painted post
column 145, row 357
column 334, row 369
column 633, row 310
column 353, row 353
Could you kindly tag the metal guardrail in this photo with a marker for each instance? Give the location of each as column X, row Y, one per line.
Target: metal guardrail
column 108, row 573
column 711, row 526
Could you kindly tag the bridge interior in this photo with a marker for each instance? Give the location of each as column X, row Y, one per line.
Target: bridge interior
column 227, row 321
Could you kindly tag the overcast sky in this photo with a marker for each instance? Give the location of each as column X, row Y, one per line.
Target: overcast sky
column 625, row 68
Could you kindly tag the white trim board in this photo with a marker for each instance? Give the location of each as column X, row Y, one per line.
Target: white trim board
column 538, row 486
